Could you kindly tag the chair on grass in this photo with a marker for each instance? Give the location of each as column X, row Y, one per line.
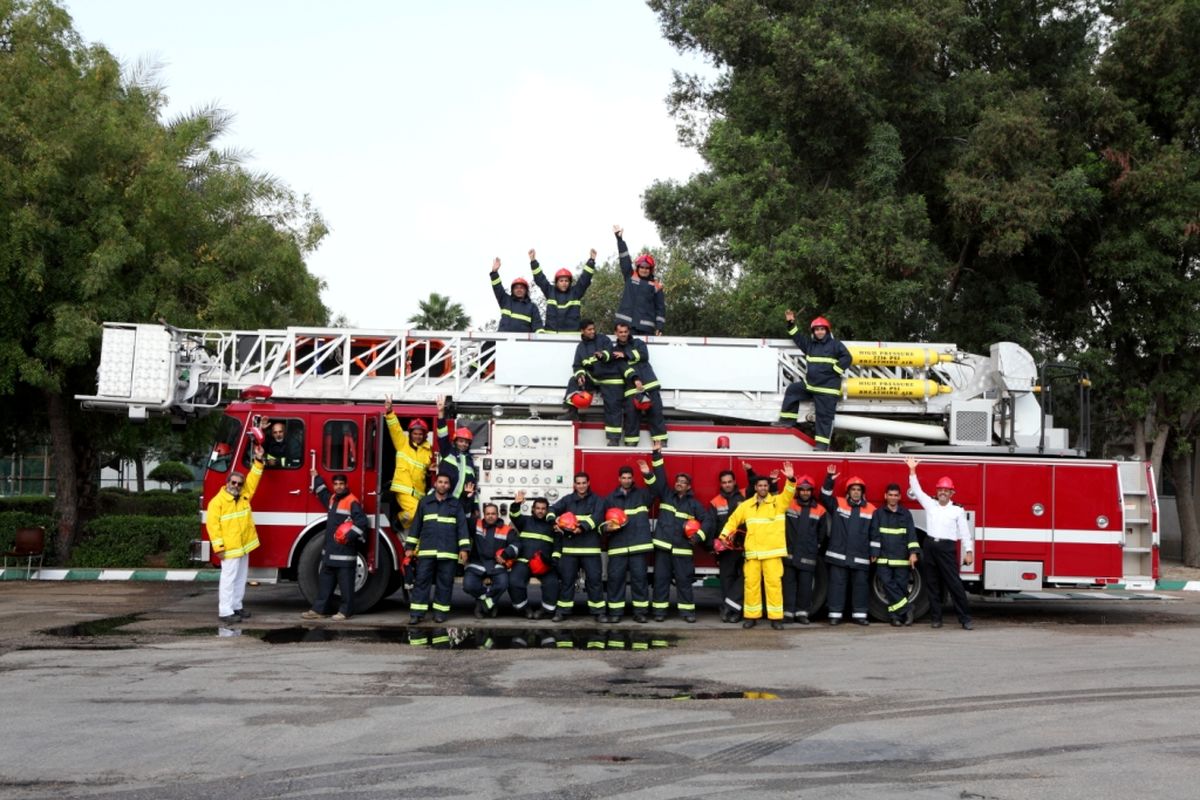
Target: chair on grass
column 28, row 544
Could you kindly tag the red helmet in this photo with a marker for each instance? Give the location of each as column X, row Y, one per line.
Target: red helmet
column 418, row 423
column 854, row 480
column 464, row 433
column 645, row 259
column 820, row 322
column 256, row 435
column 344, row 532
column 737, row 540
column 691, row 528
column 944, row 482
column 580, row 400
column 564, row 273
column 538, row 564
column 222, row 449
column 805, row 479
column 616, row 517
column 519, row 282
column 719, row 545
column 508, row 562
column 642, row 402
column 566, row 522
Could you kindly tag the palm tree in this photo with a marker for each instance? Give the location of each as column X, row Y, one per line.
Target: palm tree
column 438, row 313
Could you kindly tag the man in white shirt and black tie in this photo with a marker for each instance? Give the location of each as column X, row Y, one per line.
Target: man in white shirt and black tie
column 945, row 526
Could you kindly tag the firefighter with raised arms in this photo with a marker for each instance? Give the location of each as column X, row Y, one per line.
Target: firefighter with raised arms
column 828, row 359
column 346, row 527
column 564, row 298
column 627, row 521
column 410, row 478
column 536, row 552
column 681, row 520
column 518, row 312
column 454, row 456
column 766, row 546
column 849, row 551
column 643, row 306
column 806, row 529
column 946, row 526
column 232, row 535
column 439, row 541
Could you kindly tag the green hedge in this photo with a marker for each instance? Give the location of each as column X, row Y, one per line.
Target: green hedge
column 115, row 500
column 29, row 503
column 129, row 540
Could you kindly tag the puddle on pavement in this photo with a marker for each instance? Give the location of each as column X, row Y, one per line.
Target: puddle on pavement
column 109, row 626
column 631, row 689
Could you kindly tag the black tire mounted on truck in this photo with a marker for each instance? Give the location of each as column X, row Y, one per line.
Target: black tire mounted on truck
column 369, row 589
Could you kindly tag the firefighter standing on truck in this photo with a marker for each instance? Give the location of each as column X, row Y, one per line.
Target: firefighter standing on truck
column 643, row 306
column 345, row 527
column 564, row 299
column 894, row 549
column 537, row 551
column 946, row 525
column 413, row 457
column 805, row 525
column 729, row 557
column 629, row 541
column 232, row 535
column 848, row 553
column 828, row 359
column 600, row 358
column 766, row 546
column 518, row 312
column 642, row 390
column 577, row 517
column 681, row 519
column 487, row 563
column 439, row 541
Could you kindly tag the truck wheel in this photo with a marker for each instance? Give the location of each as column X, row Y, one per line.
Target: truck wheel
column 820, row 589
column 369, row 589
column 918, row 598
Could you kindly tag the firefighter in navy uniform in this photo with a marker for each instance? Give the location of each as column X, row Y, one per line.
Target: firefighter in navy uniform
column 518, row 312
column 607, row 365
column 439, row 541
column 577, row 517
column 642, row 307
column 828, row 359
column 628, row 544
column 454, row 456
column 589, row 374
column 345, row 527
column 642, row 390
column 489, row 544
column 894, row 548
column 730, row 560
column 848, row 553
column 681, row 524
column 536, row 552
column 805, row 531
column 564, row 299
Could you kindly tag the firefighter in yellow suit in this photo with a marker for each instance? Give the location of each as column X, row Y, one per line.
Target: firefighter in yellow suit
column 410, row 481
column 232, row 535
column 763, row 517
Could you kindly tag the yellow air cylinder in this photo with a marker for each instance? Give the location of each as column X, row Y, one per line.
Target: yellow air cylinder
column 898, row 356
column 884, row 388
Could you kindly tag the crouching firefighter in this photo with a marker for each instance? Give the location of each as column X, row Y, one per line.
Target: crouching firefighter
column 438, row 539
column 345, row 527
column 489, row 562
column 536, row 552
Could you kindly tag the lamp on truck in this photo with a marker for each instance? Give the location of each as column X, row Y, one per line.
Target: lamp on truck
column 258, row 391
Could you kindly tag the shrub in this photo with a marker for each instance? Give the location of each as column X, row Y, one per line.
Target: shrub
column 128, row 540
column 172, row 473
column 154, row 503
column 29, row 503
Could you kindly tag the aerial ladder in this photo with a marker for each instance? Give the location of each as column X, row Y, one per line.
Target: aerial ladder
column 931, row 395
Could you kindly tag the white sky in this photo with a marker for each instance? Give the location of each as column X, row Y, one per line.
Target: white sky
column 431, row 136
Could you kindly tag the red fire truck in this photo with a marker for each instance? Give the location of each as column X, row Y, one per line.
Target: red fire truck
column 1042, row 513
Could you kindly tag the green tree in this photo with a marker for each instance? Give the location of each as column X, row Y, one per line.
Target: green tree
column 172, row 473
column 439, row 313
column 109, row 213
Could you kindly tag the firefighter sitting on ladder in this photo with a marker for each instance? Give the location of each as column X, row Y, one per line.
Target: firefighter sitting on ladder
column 642, row 391
column 589, row 375
column 828, row 359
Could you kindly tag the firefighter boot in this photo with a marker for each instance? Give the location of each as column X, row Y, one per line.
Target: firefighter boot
column 478, row 609
column 777, row 624
column 639, row 618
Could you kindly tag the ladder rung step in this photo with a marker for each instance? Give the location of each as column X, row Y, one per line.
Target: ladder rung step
column 1137, row 549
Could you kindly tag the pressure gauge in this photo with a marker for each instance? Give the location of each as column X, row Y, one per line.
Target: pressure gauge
column 509, row 441
column 523, row 441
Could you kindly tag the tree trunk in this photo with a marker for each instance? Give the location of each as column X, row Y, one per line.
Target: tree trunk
column 139, row 465
column 66, row 494
column 1185, row 503
column 1157, row 448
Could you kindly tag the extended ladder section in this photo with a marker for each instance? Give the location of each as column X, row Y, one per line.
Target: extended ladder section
column 977, row 400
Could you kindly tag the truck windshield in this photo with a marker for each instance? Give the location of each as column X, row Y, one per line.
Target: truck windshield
column 226, row 445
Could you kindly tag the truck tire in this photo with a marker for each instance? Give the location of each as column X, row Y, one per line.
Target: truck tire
column 918, row 598
column 369, row 590
column 820, row 589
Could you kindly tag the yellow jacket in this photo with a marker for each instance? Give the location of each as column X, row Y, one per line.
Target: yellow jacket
column 229, row 520
column 412, row 463
column 765, row 523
